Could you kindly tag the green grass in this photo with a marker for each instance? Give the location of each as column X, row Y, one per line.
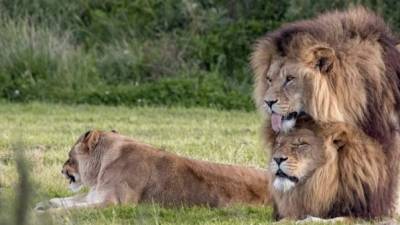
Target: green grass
column 47, row 132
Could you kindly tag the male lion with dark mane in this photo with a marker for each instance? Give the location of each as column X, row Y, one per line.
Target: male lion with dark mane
column 337, row 67
column 121, row 170
column 328, row 171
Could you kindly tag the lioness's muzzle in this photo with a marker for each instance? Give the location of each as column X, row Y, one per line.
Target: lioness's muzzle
column 70, row 177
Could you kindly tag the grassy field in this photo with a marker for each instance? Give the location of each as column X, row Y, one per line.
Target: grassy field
column 47, row 132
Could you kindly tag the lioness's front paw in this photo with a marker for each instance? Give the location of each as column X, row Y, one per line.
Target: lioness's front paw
column 47, row 205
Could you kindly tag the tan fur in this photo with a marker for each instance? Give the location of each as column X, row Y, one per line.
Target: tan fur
column 344, row 67
column 121, row 170
column 324, row 93
column 341, row 172
column 334, row 59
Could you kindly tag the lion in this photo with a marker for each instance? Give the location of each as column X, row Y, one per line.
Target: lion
column 337, row 67
column 329, row 170
column 121, row 170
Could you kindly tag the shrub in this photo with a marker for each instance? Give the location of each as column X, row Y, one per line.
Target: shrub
column 36, row 63
column 204, row 91
column 136, row 62
column 147, row 50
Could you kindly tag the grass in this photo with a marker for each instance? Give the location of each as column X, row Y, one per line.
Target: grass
column 47, row 131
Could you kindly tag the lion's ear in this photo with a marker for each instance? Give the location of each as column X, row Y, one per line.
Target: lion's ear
column 339, row 139
column 322, row 58
column 91, row 139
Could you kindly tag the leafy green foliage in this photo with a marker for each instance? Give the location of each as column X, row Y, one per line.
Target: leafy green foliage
column 70, row 51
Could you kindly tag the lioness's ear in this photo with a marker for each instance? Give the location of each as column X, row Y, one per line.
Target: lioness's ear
column 322, row 58
column 91, row 139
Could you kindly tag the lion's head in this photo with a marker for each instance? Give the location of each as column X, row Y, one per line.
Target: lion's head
column 81, row 166
column 329, row 170
column 338, row 67
column 281, row 92
column 296, row 157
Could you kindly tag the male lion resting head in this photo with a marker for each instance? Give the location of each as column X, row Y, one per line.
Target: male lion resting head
column 118, row 169
column 329, row 170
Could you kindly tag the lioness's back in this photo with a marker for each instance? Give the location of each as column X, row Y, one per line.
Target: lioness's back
column 176, row 180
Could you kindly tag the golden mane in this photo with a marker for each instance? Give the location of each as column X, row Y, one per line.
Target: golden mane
column 353, row 182
column 358, row 77
column 364, row 73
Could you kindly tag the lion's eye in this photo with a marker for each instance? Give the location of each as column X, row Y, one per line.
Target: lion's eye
column 268, row 79
column 303, row 145
column 289, row 78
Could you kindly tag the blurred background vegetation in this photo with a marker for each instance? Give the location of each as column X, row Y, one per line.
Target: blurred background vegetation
column 144, row 52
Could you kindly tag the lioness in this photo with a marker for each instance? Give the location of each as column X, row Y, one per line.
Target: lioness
column 121, row 170
column 328, row 171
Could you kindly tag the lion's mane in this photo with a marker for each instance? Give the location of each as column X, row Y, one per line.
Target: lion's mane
column 352, row 183
column 361, row 86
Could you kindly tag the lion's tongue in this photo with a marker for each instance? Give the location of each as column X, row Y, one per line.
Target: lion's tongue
column 276, row 121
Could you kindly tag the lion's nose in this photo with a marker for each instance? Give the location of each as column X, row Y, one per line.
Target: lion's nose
column 280, row 160
column 270, row 103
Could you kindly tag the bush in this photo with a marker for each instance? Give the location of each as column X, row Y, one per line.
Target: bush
column 147, row 51
column 208, row 91
column 136, row 62
column 36, row 63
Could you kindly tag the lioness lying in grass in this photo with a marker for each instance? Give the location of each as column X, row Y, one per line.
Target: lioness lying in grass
column 121, row 170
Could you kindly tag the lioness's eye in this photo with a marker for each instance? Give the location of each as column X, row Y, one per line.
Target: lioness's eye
column 268, row 79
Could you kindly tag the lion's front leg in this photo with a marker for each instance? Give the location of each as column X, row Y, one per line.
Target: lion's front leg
column 60, row 202
column 94, row 198
column 67, row 202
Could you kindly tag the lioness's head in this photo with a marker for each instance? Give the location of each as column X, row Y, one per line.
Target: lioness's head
column 80, row 167
column 297, row 155
column 71, row 172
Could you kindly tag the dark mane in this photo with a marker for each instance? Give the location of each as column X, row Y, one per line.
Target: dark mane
column 335, row 28
column 367, row 64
